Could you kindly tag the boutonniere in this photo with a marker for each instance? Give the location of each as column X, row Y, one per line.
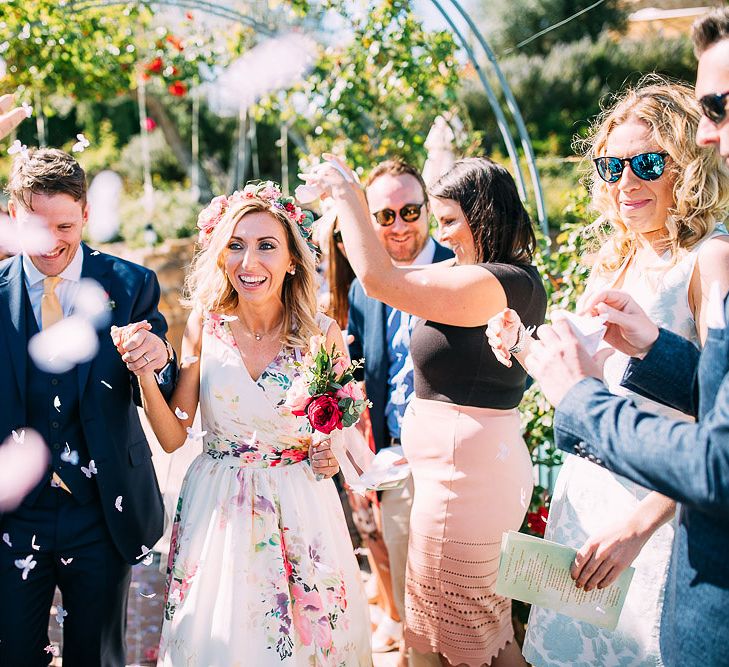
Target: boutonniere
column 110, row 303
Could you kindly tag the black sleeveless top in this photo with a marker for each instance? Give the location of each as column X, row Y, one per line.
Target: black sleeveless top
column 456, row 364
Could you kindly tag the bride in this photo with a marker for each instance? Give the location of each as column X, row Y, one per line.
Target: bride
column 261, row 569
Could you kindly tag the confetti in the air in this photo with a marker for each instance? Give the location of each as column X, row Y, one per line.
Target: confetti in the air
column 6, row 539
column 66, row 561
column 189, row 359
column 26, row 564
column 149, row 596
column 33, row 544
column 28, row 109
column 62, row 346
column 69, row 456
column 91, row 470
column 57, row 403
column 145, row 551
column 19, row 437
column 18, row 147
column 23, row 462
column 195, row 435
column 148, row 560
column 106, row 384
column 61, row 614
column 118, row 503
column 181, row 414
column 82, row 143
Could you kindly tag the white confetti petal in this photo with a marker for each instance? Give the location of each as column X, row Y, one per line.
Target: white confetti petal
column 62, row 346
column 149, row 596
column 195, row 435
column 228, row 318
column 26, row 564
column 61, row 614
column 96, row 252
column 18, row 147
column 118, row 503
column 106, row 384
column 91, row 470
column 81, row 145
column 189, row 359
column 57, row 403
column 67, row 561
column 19, row 437
column 69, row 456
column 34, row 545
column 6, row 539
column 145, row 551
column 181, row 414
column 28, row 109
column 53, row 650
column 148, row 560
column 22, row 465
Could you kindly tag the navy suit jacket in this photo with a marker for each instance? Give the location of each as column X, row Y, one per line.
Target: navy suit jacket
column 688, row 462
column 109, row 416
column 367, row 322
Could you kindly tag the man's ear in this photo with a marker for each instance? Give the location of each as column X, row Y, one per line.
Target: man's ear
column 85, row 213
column 12, row 210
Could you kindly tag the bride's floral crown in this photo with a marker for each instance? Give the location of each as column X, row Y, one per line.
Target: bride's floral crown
column 269, row 191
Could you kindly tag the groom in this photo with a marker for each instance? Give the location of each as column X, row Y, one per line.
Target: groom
column 688, row 462
column 98, row 508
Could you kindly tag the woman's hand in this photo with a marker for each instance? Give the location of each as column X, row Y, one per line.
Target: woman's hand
column 604, row 556
column 323, row 462
column 142, row 351
column 332, row 178
column 502, row 334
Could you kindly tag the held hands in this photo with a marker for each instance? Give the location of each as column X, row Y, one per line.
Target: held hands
column 629, row 329
column 604, row 556
column 323, row 462
column 502, row 333
column 10, row 115
column 142, row 351
column 558, row 361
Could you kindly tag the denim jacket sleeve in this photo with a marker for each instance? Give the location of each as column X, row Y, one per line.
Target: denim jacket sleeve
column 685, row 461
column 668, row 374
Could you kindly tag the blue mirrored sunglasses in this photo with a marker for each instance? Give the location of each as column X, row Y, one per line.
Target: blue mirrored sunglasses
column 646, row 166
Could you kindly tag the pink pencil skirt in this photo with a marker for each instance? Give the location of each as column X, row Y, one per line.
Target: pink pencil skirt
column 473, row 481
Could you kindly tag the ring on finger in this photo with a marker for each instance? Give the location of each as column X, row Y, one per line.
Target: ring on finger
column 146, row 358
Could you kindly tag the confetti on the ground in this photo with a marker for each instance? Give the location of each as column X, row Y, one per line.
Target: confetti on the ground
column 19, row 437
column 61, row 614
column 33, row 544
column 6, row 539
column 106, row 384
column 181, row 414
column 91, row 470
column 67, row 561
column 81, row 144
column 118, row 503
column 26, row 564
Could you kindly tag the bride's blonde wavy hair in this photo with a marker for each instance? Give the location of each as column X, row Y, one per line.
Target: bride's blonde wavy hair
column 208, row 289
column 700, row 185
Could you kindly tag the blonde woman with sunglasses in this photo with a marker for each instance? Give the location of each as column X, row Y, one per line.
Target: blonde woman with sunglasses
column 660, row 198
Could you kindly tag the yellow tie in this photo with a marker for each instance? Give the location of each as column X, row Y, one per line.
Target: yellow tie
column 51, row 311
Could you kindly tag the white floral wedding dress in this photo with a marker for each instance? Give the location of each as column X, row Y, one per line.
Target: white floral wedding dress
column 261, row 568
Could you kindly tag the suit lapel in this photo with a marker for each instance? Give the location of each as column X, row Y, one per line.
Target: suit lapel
column 12, row 301
column 96, row 268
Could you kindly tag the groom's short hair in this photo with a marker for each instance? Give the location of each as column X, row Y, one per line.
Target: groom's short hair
column 710, row 29
column 46, row 171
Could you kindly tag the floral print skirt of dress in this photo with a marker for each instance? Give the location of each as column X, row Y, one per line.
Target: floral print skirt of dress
column 261, row 568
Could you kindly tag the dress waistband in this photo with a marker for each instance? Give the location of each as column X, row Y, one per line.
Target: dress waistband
column 258, row 459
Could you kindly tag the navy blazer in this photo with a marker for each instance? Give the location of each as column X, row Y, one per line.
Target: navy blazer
column 109, row 416
column 686, row 461
column 367, row 322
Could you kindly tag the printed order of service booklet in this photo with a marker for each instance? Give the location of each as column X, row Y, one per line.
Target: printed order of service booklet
column 538, row 571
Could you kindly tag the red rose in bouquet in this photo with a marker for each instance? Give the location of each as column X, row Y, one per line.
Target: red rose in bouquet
column 324, row 413
column 537, row 521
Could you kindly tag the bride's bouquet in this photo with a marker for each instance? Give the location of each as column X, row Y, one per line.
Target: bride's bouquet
column 326, row 392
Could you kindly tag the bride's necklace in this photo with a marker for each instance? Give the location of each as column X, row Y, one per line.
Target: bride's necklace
column 260, row 335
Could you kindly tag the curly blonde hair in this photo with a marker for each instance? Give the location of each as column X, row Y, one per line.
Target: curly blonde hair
column 700, row 181
column 208, row 289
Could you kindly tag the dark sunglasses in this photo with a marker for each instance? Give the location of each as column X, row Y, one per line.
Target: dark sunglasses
column 409, row 213
column 714, row 107
column 646, row 166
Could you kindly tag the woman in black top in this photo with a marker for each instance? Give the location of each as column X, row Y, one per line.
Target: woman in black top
column 461, row 434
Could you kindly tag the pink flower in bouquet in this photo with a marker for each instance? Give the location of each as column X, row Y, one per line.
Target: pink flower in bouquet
column 351, row 390
column 324, row 414
column 298, row 397
column 340, row 367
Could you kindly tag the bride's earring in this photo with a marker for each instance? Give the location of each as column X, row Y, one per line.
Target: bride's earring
column 292, row 271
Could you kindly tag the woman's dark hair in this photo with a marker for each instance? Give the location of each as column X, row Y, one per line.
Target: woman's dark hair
column 486, row 192
column 341, row 277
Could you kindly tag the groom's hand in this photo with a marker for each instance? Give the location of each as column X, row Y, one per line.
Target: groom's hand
column 141, row 350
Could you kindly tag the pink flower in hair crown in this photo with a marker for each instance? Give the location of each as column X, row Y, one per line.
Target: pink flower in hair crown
column 269, row 191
